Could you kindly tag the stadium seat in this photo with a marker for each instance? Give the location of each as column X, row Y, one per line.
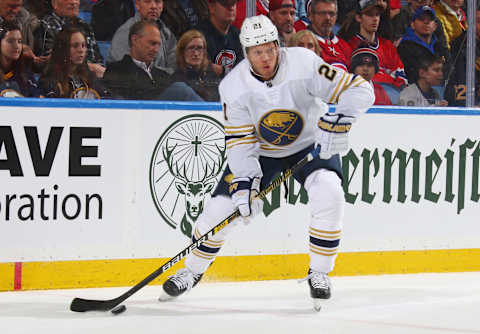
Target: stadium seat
column 440, row 90
column 104, row 46
column 392, row 91
column 86, row 16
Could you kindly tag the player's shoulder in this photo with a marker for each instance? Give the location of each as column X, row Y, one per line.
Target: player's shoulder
column 299, row 58
column 233, row 84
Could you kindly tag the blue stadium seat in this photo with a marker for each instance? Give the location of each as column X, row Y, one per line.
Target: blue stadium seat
column 440, row 90
column 392, row 92
column 86, row 16
column 104, row 46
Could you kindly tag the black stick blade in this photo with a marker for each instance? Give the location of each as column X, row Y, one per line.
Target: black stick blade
column 84, row 305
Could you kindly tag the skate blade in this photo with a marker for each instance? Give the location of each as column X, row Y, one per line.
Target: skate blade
column 317, row 304
column 165, row 297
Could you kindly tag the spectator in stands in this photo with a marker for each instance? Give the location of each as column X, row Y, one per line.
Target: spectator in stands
column 395, row 6
column 65, row 14
column 452, row 17
column 67, row 74
column 306, row 39
column 391, row 70
column 303, row 21
column 16, row 77
column 194, row 68
column 262, row 9
column 39, row 8
column 109, row 15
column 420, row 40
column 350, row 26
column 147, row 10
column 12, row 10
column 455, row 92
column 282, row 14
column 182, row 15
column 335, row 51
column 135, row 77
column 403, row 19
column 223, row 42
column 365, row 62
column 421, row 93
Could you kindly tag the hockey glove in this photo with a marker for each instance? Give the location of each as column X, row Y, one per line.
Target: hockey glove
column 243, row 192
column 332, row 134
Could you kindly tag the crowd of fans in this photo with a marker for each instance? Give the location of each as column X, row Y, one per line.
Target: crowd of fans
column 412, row 52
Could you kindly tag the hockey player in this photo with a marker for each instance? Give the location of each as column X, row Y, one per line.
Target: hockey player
column 271, row 122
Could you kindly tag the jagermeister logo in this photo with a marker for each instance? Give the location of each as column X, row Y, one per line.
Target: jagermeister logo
column 185, row 167
column 450, row 175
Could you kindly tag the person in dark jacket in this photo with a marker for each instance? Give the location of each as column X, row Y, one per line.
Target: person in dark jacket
column 180, row 16
column 419, row 41
column 109, row 15
column 223, row 39
column 135, row 78
column 194, row 68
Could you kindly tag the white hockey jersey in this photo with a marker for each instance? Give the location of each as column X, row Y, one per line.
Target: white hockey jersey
column 278, row 118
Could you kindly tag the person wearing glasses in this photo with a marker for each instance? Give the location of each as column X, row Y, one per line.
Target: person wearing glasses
column 193, row 66
column 335, row 50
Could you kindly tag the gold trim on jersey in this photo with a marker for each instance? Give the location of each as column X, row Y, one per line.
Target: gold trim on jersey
column 209, row 242
column 357, row 81
column 203, row 255
column 267, row 148
column 242, row 129
column 340, row 84
column 241, row 141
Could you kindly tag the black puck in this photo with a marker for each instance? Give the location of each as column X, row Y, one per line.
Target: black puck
column 119, row 309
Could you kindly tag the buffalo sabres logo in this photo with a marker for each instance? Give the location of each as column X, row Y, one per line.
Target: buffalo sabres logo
column 280, row 127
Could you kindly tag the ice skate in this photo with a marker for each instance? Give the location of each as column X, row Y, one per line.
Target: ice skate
column 184, row 280
column 320, row 287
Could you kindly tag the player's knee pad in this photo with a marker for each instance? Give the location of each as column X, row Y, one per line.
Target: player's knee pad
column 326, row 199
column 216, row 209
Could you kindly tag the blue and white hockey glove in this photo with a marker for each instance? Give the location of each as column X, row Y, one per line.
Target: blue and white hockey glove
column 332, row 134
column 243, row 191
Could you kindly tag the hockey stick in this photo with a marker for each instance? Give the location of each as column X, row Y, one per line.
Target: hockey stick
column 83, row 305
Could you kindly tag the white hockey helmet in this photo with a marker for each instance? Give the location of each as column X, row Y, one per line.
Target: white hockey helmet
column 257, row 30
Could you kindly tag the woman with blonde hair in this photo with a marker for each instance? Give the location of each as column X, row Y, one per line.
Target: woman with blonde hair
column 306, row 39
column 193, row 66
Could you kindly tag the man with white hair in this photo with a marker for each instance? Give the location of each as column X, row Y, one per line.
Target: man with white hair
column 271, row 119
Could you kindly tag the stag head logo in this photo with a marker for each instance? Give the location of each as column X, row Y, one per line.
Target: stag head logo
column 186, row 164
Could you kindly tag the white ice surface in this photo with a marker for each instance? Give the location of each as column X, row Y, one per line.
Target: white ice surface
column 423, row 303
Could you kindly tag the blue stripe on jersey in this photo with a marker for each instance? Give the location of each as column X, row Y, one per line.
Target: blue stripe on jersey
column 324, row 243
column 235, row 137
column 206, row 249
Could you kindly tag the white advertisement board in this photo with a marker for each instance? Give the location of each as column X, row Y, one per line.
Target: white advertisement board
column 120, row 183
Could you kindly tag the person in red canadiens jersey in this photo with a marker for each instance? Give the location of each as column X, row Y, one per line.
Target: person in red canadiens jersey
column 323, row 15
column 391, row 70
column 272, row 102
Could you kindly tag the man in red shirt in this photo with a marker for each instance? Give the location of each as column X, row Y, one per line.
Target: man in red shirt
column 391, row 70
column 282, row 15
column 323, row 15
